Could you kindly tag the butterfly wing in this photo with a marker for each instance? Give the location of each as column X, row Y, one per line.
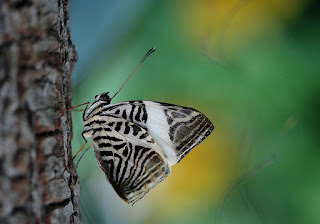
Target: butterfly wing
column 127, row 154
column 136, row 142
column 176, row 129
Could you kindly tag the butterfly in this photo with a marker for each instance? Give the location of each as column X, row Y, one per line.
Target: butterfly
column 136, row 142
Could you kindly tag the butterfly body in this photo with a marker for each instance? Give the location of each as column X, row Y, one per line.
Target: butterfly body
column 136, row 142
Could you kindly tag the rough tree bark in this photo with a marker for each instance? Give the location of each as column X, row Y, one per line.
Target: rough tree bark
column 36, row 61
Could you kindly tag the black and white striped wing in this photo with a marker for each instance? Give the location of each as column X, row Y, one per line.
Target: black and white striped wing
column 176, row 129
column 136, row 142
column 128, row 155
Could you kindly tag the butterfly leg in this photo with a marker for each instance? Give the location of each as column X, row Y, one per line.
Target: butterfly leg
column 74, row 108
column 83, row 155
column 80, row 149
column 78, row 153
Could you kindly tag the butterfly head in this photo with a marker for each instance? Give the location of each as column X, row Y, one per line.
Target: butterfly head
column 103, row 97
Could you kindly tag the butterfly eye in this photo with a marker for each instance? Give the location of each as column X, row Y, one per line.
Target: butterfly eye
column 97, row 97
column 103, row 97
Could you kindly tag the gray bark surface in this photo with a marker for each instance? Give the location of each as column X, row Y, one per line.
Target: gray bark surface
column 36, row 61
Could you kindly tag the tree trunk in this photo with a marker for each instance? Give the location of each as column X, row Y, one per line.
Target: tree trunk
column 38, row 183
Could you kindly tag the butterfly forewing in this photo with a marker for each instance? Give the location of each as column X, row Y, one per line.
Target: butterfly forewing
column 135, row 142
column 176, row 129
column 182, row 128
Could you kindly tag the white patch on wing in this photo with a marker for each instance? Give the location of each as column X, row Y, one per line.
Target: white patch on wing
column 158, row 128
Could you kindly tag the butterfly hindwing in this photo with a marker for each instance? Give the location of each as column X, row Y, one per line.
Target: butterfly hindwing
column 129, row 156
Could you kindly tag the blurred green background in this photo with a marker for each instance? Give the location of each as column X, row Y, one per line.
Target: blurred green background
column 252, row 67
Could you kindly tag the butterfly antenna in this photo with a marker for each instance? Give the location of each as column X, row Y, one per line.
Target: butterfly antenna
column 138, row 65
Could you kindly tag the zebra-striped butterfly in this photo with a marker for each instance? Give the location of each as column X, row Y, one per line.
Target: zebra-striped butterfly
column 136, row 142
